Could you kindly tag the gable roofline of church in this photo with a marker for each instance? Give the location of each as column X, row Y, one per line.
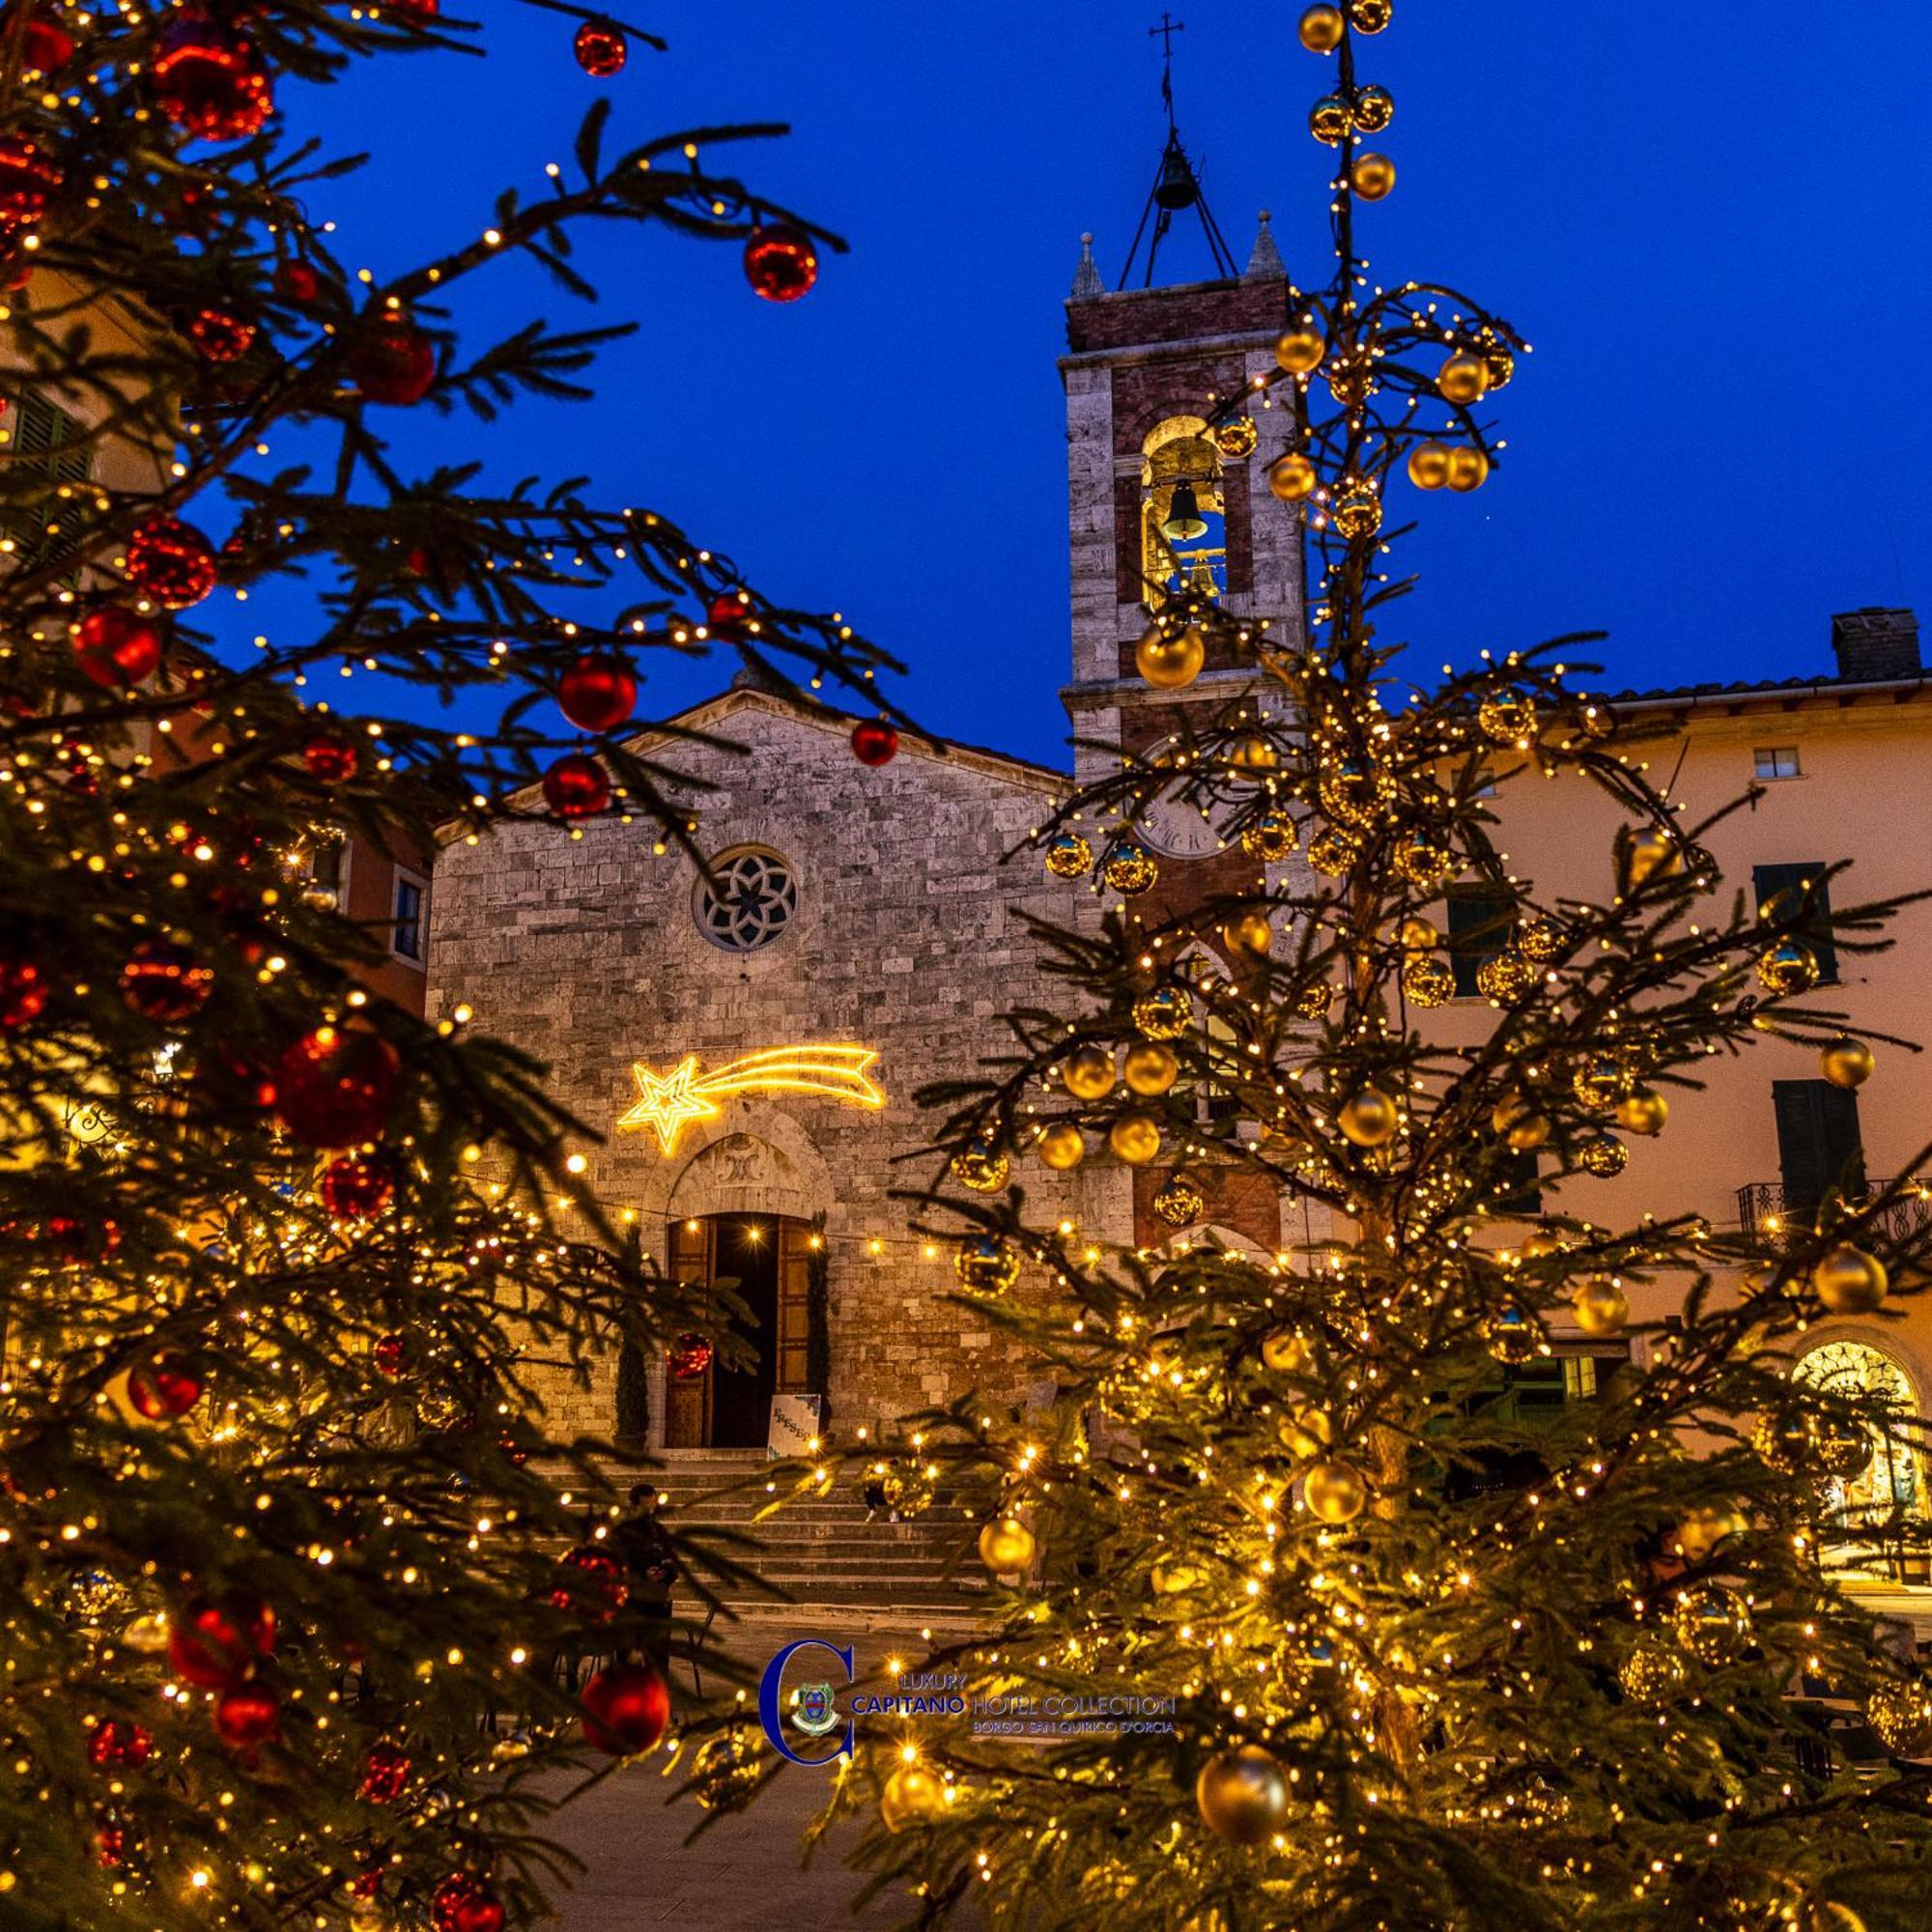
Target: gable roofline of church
column 703, row 717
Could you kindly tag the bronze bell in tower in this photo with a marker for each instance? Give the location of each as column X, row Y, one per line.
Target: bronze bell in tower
column 1183, row 518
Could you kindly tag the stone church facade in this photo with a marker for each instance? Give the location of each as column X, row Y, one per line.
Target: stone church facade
column 854, row 912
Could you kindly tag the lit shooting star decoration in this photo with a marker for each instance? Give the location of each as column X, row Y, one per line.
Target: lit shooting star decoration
column 668, row 1102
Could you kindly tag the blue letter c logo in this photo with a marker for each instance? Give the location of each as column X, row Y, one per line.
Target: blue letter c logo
column 768, row 1699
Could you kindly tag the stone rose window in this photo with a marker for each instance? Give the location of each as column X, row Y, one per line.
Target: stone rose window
column 748, row 900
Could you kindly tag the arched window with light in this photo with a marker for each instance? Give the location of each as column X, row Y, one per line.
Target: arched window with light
column 1889, row 1486
column 1183, row 522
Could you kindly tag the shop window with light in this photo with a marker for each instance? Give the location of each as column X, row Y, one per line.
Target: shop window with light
column 1889, row 1487
column 1776, row 761
column 409, row 930
column 42, row 448
column 326, row 871
column 1783, row 892
column 1184, row 523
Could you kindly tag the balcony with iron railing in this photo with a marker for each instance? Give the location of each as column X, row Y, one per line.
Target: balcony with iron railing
column 1766, row 1208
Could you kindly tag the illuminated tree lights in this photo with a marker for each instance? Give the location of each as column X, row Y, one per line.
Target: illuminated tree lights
column 1447, row 1652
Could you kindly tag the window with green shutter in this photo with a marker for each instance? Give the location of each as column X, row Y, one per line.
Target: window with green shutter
column 46, row 449
column 1794, row 885
column 1478, row 931
column 1818, row 1141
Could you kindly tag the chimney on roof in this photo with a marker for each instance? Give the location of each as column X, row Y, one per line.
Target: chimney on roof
column 1873, row 643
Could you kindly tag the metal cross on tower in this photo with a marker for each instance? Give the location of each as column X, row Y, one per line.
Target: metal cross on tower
column 1176, row 184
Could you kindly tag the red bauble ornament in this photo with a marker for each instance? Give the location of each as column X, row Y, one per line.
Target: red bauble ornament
column 391, row 1356
column 601, row 48
column 577, row 786
column 330, row 760
column 247, row 1715
column 626, row 1708
column 688, row 1359
column 171, row 561
column 220, row 336
column 116, row 645
column 163, row 1387
column 781, row 263
column 874, row 742
column 418, row 9
column 215, row 1639
column 597, row 693
column 165, row 983
column 589, row 1583
column 23, row 992
column 46, row 46
column 385, row 1775
column 77, row 1240
column 727, row 615
column 29, row 179
column 392, row 360
column 116, row 1741
column 333, row 1088
column 297, row 280
column 211, row 81
column 110, row 1845
column 356, row 1187
column 466, row 1903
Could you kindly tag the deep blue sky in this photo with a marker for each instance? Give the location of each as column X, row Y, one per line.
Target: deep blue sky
column 1710, row 221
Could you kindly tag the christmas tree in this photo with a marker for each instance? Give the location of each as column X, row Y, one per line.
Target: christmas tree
column 1434, row 1662
column 290, row 1564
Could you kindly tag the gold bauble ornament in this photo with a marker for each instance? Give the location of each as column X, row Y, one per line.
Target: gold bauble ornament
column 1248, row 935
column 1463, row 378
column 1170, row 660
column 1358, row 515
column 1901, row 1714
column 1848, row 1281
column 1704, row 1527
column 982, row 1168
column 1322, row 29
column 1541, row 1242
column 1643, row 1111
column 1150, row 1070
column 1352, row 378
column 1600, row 1306
column 1333, row 852
column 1603, row 1156
column 1243, row 1795
column 1301, row 350
column 1468, row 467
column 1786, row 1439
column 1645, row 852
column 1288, row 1353
column 1427, row 981
column 1255, row 753
column 1651, row 1673
column 1069, row 857
column 1506, row 718
column 1292, row 477
column 1424, row 863
column 1354, row 791
column 1711, row 1623
column 1374, row 109
column 1840, row 1446
column 1062, row 1146
column 1237, row 437
column 1304, row 1431
column 1329, row 122
column 1088, row 1073
column 1539, row 940
column 1271, row 838
column 1369, row 1117
column 1130, row 871
column 1335, row 1492
column 1602, row 1082
column 986, row 1264
column 1505, row 978
column 1789, row 967
column 1372, row 176
column 1177, row 1579
column 1313, row 1000
column 912, row 1796
column 1845, row 1062
column 1371, row 16
column 1826, row 1915
column 1501, row 365
column 1519, row 1123
column 1006, row 1545
column 1429, row 466
column 1135, row 1139
column 1164, row 1014
column 1178, row 1202
column 1512, row 1335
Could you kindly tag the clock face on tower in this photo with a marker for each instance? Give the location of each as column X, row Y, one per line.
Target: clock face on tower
column 1172, row 822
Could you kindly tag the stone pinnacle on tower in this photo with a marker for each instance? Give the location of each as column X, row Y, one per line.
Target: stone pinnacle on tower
column 1087, row 276
column 1264, row 265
